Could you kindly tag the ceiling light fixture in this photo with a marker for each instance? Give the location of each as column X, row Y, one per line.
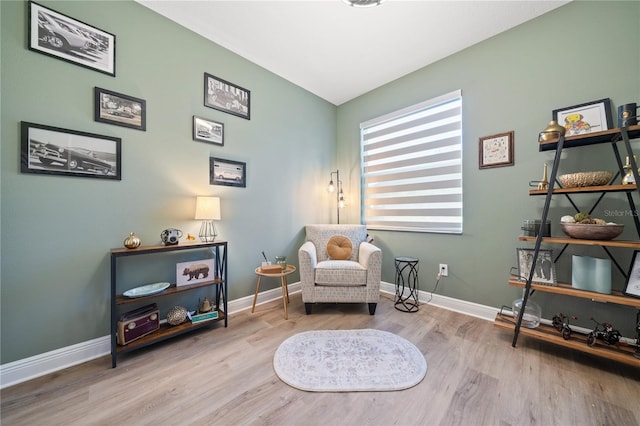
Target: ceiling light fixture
column 363, row 3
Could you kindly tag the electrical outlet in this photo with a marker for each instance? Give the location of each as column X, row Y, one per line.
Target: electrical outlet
column 443, row 270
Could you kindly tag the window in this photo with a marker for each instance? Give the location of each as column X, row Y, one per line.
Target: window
column 412, row 168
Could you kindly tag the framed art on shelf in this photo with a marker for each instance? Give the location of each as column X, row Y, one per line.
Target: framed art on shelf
column 194, row 272
column 121, row 110
column 632, row 286
column 208, row 131
column 56, row 151
column 545, row 270
column 227, row 172
column 585, row 118
column 496, row 150
column 60, row 36
column 226, row 97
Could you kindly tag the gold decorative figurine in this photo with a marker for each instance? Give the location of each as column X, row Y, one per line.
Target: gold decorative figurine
column 629, row 178
column 544, row 183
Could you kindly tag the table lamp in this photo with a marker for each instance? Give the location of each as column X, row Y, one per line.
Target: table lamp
column 207, row 210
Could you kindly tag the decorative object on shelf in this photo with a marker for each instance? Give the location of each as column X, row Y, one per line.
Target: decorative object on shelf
column 582, row 179
column 132, row 241
column 605, row 332
column 628, row 177
column 552, row 131
column 532, row 313
column 205, row 130
column 190, row 237
column 147, row 290
column 226, row 97
column 627, row 115
column 227, row 172
column 195, row 318
column 585, row 231
column 170, row 236
column 544, row 271
column 56, row 151
column 339, row 193
column 121, row 110
column 177, row 315
column 194, row 272
column 138, row 323
column 205, row 306
column 207, row 210
column 532, row 227
column 585, row 118
column 60, row 36
column 282, row 262
column 632, row 286
column 496, row 150
column 544, row 183
column 591, row 274
column 561, row 323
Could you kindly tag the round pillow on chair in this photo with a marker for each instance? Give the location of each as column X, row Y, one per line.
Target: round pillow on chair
column 339, row 247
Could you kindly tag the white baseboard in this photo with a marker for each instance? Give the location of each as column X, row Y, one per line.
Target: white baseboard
column 38, row 365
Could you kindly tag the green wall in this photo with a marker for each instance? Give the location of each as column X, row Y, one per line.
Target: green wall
column 57, row 231
column 581, row 52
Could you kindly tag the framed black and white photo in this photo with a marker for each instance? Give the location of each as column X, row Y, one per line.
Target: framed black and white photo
column 544, row 271
column 208, row 131
column 227, row 97
column 55, row 151
column 60, row 36
column 585, row 118
column 227, row 172
column 121, row 110
column 632, row 286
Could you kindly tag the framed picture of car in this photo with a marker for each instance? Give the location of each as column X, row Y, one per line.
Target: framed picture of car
column 208, row 131
column 227, row 97
column 60, row 36
column 55, row 151
column 227, row 172
column 121, row 110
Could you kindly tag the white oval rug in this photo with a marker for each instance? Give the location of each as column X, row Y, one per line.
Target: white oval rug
column 349, row 360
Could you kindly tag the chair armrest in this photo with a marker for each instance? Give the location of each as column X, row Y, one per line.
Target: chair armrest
column 365, row 253
column 307, row 261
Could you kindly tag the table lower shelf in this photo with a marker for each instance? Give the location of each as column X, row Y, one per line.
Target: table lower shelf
column 620, row 352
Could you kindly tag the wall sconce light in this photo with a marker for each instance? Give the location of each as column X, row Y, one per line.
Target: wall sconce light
column 207, row 210
column 339, row 193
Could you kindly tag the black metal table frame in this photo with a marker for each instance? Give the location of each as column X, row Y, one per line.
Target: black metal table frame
column 406, row 289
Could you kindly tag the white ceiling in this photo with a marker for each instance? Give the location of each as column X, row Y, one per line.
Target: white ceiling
column 339, row 52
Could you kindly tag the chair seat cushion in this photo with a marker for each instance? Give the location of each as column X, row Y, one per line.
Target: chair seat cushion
column 341, row 273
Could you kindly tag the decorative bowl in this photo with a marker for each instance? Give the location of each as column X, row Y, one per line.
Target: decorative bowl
column 580, row 179
column 583, row 231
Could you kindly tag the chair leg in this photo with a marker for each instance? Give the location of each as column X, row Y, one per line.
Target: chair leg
column 372, row 308
column 307, row 308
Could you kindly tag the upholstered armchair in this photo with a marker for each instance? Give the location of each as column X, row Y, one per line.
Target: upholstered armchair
column 347, row 275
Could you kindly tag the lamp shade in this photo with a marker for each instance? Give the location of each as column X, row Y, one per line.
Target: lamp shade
column 208, row 208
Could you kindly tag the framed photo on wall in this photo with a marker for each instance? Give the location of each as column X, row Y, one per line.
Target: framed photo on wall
column 227, row 172
column 227, row 97
column 121, row 110
column 60, row 36
column 208, row 131
column 55, row 151
column 585, row 118
column 496, row 150
column 545, row 270
column 632, row 286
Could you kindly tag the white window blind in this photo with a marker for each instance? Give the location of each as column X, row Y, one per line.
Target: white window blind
column 412, row 168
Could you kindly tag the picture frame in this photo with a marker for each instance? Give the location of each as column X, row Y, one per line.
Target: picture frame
column 496, row 150
column 210, row 131
column 195, row 272
column 545, row 271
column 226, row 97
column 632, row 286
column 56, row 151
column 227, row 172
column 63, row 37
column 119, row 109
column 589, row 117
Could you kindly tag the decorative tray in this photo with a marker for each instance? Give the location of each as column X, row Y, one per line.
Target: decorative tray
column 147, row 290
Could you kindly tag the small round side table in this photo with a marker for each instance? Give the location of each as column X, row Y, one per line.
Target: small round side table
column 406, row 284
column 283, row 281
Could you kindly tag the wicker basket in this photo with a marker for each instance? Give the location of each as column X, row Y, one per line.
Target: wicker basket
column 575, row 180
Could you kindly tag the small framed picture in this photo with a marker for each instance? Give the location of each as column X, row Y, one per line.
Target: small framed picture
column 208, row 131
column 55, row 151
column 60, row 36
column 121, row 110
column 227, row 97
column 195, row 272
column 496, row 150
column 632, row 287
column 227, row 172
column 544, row 271
column 585, row 118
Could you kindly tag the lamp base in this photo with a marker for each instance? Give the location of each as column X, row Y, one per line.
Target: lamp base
column 208, row 232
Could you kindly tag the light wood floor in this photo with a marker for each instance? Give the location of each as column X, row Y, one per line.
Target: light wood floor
column 225, row 377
